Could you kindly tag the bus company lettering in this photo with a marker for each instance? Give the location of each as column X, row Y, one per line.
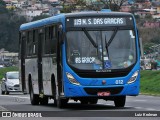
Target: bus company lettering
column 99, row 21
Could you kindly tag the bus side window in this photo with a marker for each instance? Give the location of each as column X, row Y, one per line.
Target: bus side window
column 53, row 40
column 47, row 39
column 35, row 41
column 29, row 43
column 50, row 40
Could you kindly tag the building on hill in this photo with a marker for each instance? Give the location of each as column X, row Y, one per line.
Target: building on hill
column 152, row 24
column 8, row 58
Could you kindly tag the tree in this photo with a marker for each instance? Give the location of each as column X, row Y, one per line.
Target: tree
column 2, row 3
column 73, row 5
column 150, row 37
column 114, row 5
column 155, row 39
column 3, row 7
column 148, row 17
column 40, row 17
column 9, row 28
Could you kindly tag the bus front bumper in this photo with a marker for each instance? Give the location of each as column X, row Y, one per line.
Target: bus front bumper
column 88, row 91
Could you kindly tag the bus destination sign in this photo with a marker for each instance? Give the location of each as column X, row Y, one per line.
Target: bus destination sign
column 99, row 21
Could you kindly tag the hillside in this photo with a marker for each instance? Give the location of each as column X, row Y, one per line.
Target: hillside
column 9, row 28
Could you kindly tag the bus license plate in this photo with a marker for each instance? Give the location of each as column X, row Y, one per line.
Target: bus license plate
column 104, row 93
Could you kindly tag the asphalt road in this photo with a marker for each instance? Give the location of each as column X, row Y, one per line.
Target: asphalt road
column 20, row 103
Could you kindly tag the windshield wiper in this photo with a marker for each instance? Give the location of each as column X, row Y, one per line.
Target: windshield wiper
column 112, row 37
column 110, row 40
column 90, row 38
column 106, row 47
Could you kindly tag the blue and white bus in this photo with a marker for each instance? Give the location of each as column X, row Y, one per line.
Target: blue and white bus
column 82, row 56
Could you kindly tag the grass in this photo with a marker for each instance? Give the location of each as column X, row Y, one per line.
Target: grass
column 6, row 69
column 150, row 82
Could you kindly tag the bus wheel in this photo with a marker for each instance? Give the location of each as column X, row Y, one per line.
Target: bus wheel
column 119, row 101
column 33, row 98
column 44, row 100
column 53, row 86
column 62, row 102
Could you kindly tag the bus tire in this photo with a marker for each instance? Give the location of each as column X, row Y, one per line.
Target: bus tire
column 33, row 97
column 119, row 101
column 44, row 100
column 61, row 102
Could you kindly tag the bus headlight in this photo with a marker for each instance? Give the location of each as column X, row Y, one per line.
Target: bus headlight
column 72, row 79
column 133, row 78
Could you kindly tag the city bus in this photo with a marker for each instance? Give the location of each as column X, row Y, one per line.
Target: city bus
column 83, row 56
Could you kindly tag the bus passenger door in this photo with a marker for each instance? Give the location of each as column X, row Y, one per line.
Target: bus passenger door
column 39, row 61
column 59, row 62
column 22, row 63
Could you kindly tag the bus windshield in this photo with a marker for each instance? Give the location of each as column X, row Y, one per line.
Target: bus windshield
column 99, row 50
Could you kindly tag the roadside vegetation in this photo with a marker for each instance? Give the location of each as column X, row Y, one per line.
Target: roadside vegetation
column 150, row 82
column 6, row 69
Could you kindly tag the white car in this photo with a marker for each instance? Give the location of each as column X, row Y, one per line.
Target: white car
column 10, row 82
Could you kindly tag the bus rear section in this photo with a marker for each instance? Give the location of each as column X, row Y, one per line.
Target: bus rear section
column 101, row 58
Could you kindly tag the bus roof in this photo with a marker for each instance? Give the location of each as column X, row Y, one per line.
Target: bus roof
column 95, row 13
column 61, row 18
column 42, row 22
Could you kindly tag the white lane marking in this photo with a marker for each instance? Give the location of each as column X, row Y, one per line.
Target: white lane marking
column 140, row 100
column 139, row 107
column 151, row 109
column 148, row 109
column 3, row 109
column 14, row 96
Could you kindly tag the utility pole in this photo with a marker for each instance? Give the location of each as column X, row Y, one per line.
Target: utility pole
column 141, row 47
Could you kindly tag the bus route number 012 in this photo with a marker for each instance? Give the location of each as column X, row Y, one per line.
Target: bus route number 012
column 119, row 82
